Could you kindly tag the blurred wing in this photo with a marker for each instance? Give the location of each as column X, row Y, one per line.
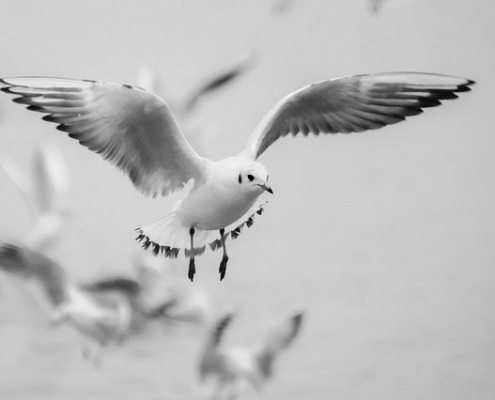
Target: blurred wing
column 20, row 180
column 126, row 288
column 219, row 329
column 127, row 125
column 279, row 336
column 29, row 264
column 218, row 81
column 353, row 104
column 50, row 179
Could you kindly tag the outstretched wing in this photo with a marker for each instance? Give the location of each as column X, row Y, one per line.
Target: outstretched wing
column 280, row 335
column 30, row 264
column 353, row 104
column 127, row 125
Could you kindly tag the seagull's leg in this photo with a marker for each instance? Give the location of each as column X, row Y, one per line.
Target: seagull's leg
column 192, row 266
column 225, row 257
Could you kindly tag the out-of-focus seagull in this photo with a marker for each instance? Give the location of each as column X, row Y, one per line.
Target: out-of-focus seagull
column 136, row 131
column 282, row 6
column 183, row 107
column 45, row 191
column 158, row 294
column 376, row 6
column 225, row 371
column 103, row 321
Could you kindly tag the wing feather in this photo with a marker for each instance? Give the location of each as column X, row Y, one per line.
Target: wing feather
column 30, row 264
column 128, row 126
column 280, row 336
column 353, row 104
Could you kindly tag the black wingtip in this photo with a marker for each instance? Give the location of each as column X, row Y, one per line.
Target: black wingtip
column 466, row 87
column 33, row 107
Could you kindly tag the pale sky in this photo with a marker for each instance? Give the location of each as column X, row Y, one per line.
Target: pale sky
column 378, row 218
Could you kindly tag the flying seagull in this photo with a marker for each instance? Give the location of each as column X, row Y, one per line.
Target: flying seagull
column 136, row 131
column 224, row 370
column 184, row 106
column 156, row 294
column 165, row 295
column 103, row 321
column 45, row 191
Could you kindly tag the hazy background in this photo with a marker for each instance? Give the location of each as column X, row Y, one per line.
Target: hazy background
column 386, row 237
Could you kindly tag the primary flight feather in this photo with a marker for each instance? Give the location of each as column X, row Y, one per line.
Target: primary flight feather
column 136, row 131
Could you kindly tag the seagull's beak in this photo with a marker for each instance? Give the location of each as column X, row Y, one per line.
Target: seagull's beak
column 264, row 186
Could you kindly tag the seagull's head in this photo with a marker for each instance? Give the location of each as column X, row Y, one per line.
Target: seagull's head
column 254, row 177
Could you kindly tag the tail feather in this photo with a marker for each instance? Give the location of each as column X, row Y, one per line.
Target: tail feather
column 167, row 236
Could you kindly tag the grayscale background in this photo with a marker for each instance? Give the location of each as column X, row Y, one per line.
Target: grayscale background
column 385, row 237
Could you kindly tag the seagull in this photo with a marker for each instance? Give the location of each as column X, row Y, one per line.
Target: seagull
column 158, row 294
column 136, row 131
column 169, row 297
column 282, row 6
column 185, row 106
column 224, row 371
column 45, row 191
column 102, row 321
column 376, row 6
column 122, row 289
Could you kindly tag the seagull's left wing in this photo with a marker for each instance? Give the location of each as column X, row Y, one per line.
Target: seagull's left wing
column 353, row 104
column 128, row 126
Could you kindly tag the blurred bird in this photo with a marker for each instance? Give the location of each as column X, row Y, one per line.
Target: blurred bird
column 157, row 294
column 102, row 320
column 376, row 6
column 168, row 297
column 224, row 372
column 282, row 6
column 136, row 131
column 183, row 107
column 45, row 191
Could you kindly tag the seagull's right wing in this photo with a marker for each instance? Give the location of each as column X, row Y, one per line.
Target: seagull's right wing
column 127, row 125
column 25, row 263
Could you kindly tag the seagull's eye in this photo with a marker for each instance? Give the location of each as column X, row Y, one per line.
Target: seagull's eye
column 250, row 177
